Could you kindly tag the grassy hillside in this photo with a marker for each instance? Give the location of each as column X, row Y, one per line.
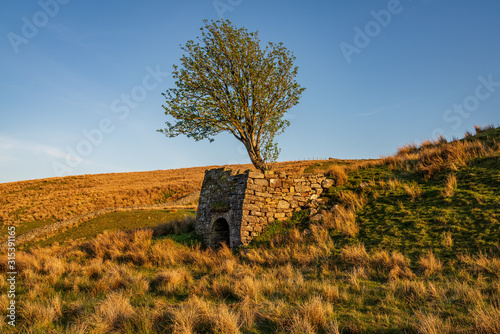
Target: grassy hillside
column 405, row 244
column 35, row 203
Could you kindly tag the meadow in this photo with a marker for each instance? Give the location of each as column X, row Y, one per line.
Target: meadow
column 408, row 243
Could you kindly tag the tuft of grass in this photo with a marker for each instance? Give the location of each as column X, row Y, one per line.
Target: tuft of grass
column 486, row 318
column 317, row 312
column 481, row 263
column 450, row 185
column 429, row 264
column 447, row 240
column 169, row 282
column 225, row 321
column 356, row 255
column 414, row 190
column 338, row 173
column 431, row 324
column 343, row 216
column 481, row 129
column 112, row 313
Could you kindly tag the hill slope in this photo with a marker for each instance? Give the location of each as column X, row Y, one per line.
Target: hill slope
column 36, row 203
column 405, row 244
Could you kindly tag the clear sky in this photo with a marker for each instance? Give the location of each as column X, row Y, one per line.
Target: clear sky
column 81, row 81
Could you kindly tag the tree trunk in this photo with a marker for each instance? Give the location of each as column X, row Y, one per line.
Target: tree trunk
column 255, row 157
column 258, row 163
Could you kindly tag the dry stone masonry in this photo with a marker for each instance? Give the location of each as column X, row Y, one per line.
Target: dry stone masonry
column 236, row 206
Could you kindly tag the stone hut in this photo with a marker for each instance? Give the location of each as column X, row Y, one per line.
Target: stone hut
column 236, row 206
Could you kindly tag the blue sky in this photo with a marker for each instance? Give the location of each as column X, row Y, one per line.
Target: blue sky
column 81, row 82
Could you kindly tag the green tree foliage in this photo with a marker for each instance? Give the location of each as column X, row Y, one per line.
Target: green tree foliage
column 228, row 83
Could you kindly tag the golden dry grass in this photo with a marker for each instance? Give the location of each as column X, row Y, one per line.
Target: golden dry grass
column 53, row 199
column 432, row 324
column 414, row 190
column 343, row 215
column 450, row 185
column 296, row 287
column 429, row 264
column 112, row 313
column 432, row 157
column 338, row 173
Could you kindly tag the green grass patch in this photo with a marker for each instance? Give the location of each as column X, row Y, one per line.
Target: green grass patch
column 115, row 221
column 396, row 221
column 164, row 197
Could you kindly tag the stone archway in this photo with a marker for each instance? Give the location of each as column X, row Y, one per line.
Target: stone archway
column 220, row 233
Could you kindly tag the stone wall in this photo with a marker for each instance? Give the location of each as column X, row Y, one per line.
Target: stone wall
column 248, row 201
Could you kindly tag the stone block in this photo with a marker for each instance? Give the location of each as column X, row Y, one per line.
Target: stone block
column 275, row 183
column 268, row 209
column 316, row 218
column 252, row 186
column 261, row 182
column 327, row 183
column 256, row 213
column 251, row 207
column 251, row 219
column 255, row 175
column 302, row 189
column 283, row 205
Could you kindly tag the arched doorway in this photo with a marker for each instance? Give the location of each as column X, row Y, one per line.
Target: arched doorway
column 220, row 233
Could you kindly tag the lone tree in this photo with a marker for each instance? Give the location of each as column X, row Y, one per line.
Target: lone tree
column 227, row 82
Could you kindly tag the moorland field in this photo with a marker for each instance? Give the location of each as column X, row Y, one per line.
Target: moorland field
column 408, row 243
